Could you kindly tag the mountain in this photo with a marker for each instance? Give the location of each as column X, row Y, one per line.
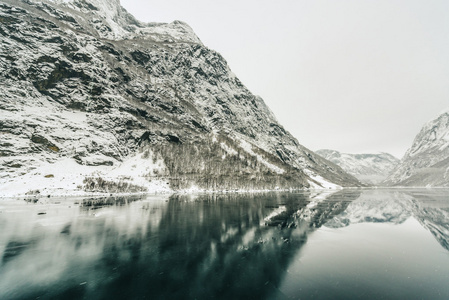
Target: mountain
column 93, row 100
column 368, row 168
column 426, row 163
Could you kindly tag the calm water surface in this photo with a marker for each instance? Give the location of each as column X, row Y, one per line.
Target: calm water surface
column 352, row 244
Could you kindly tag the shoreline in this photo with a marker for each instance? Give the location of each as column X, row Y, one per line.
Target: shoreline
column 200, row 191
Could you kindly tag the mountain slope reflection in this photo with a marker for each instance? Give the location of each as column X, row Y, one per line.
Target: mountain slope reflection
column 429, row 207
column 206, row 246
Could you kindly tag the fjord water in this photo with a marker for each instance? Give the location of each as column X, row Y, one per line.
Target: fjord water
column 350, row 244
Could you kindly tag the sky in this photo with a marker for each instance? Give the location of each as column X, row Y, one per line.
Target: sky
column 357, row 76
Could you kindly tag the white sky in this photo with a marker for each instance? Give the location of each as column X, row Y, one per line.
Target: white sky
column 354, row 76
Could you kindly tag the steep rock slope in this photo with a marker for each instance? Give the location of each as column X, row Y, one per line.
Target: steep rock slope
column 426, row 163
column 94, row 100
column 368, row 168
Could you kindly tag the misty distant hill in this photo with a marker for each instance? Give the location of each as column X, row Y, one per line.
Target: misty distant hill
column 368, row 168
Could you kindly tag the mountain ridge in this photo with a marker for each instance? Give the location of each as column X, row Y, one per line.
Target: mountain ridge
column 426, row 162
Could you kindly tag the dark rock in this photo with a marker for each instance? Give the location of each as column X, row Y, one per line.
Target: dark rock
column 38, row 139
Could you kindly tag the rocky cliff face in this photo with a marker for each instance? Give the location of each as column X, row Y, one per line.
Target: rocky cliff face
column 370, row 169
column 426, row 163
column 94, row 100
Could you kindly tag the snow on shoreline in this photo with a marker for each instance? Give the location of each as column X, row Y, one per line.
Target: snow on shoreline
column 318, row 182
column 144, row 173
column 6, row 194
column 66, row 177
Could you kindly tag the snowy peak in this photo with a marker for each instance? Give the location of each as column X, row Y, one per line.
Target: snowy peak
column 110, row 10
column 176, row 31
column 96, row 5
column 109, row 20
column 368, row 168
column 433, row 135
column 426, row 163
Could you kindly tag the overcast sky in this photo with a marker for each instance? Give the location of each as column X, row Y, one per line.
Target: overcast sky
column 354, row 76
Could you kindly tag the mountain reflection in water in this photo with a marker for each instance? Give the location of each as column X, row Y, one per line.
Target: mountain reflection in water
column 221, row 246
column 429, row 207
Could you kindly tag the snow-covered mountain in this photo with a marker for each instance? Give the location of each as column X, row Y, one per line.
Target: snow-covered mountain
column 93, row 100
column 426, row 163
column 368, row 168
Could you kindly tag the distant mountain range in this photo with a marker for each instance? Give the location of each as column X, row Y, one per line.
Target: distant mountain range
column 426, row 163
column 94, row 101
column 370, row 169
